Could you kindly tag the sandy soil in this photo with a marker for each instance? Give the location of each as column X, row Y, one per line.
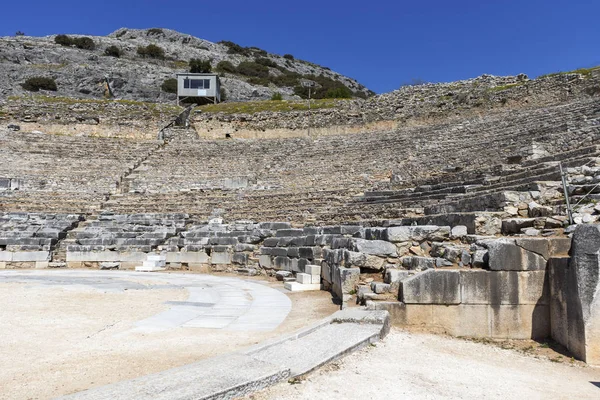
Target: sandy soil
column 57, row 341
column 420, row 366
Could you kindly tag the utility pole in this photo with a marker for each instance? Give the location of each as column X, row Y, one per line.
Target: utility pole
column 310, row 85
column 563, row 177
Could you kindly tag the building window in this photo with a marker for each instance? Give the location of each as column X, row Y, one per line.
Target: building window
column 196, row 83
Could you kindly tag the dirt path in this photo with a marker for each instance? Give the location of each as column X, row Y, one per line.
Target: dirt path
column 420, row 366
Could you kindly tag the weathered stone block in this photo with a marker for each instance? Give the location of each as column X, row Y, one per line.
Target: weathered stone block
column 220, row 258
column 196, row 257
column 417, row 233
column 313, row 269
column 265, row 261
column 303, row 278
column 345, row 281
column 354, row 259
column 506, row 255
column 374, row 247
column 431, row 287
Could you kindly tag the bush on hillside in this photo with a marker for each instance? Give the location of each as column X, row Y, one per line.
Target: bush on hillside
column 154, row 31
column 198, row 66
column 288, row 56
column 223, row 94
column 225, row 66
column 266, row 62
column 151, row 51
column 341, row 92
column 63, row 40
column 38, row 83
column 169, row 85
column 113, row 51
column 235, row 48
column 277, row 96
column 19, row 33
column 252, row 69
column 84, row 43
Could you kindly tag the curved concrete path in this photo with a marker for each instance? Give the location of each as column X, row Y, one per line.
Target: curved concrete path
column 213, row 303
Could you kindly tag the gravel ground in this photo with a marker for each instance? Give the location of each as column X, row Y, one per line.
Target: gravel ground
column 59, row 340
column 421, row 366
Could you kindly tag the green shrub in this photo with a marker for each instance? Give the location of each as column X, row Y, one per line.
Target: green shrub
column 341, row 92
column 225, row 66
column 235, row 48
column 169, row 85
column 63, row 40
column 266, row 62
column 288, row 56
column 255, row 80
column 154, row 31
column 84, row 43
column 19, row 33
column 38, row 83
column 325, row 88
column 198, row 66
column 277, row 96
column 152, row 51
column 223, row 94
column 113, row 51
column 257, row 51
column 121, row 33
column 252, row 69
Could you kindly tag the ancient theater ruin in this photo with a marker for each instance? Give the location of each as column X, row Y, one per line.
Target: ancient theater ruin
column 467, row 208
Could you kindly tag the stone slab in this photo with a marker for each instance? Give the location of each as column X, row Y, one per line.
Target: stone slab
column 432, row 287
column 99, row 256
column 300, row 287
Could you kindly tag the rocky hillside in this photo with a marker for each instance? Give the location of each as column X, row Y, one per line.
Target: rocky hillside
column 79, row 68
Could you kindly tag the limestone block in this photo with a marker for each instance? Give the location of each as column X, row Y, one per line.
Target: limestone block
column 313, row 269
column 2, row 264
column 345, row 280
column 418, row 263
column 220, row 258
column 380, row 288
column 289, row 232
column 292, row 252
column 558, row 273
column 30, row 256
column 283, row 263
column 432, row 287
column 99, row 256
column 41, row 264
column 265, row 261
column 202, row 268
column 239, row 258
column 506, row 255
column 583, row 291
column 504, row 287
column 299, row 287
column 315, row 279
column 374, row 247
column 417, row 233
column 6, row 256
column 195, row 257
column 525, row 321
column 465, row 320
column 362, row 260
column 394, row 275
column 326, row 272
column 458, row 232
column 303, row 278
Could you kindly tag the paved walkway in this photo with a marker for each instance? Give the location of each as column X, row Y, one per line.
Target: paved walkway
column 214, row 302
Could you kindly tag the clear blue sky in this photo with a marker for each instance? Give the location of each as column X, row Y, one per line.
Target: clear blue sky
column 381, row 43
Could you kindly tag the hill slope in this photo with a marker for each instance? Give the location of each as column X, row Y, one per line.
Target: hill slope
column 80, row 72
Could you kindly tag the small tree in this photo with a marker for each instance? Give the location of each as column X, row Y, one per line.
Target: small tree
column 152, row 51
column 277, row 96
column 84, row 43
column 198, row 66
column 63, row 40
column 223, row 93
column 169, row 85
column 38, row 83
column 225, row 66
column 19, row 33
column 113, row 51
column 288, row 56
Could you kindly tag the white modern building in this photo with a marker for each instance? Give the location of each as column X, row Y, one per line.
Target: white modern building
column 205, row 86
